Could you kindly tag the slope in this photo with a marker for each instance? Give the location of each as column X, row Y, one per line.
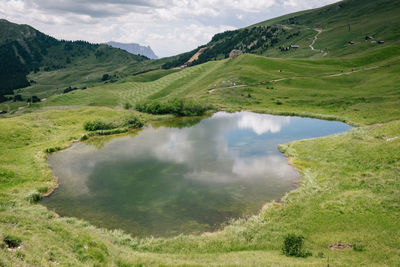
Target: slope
column 24, row 49
column 344, row 28
column 347, row 194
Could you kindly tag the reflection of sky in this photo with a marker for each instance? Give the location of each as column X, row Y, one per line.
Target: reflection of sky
column 225, row 148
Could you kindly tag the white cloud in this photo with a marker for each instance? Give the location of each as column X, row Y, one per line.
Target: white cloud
column 169, row 27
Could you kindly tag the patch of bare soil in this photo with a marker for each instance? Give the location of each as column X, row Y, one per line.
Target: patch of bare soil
column 338, row 246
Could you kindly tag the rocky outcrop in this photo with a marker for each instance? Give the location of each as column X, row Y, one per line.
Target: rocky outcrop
column 235, row 53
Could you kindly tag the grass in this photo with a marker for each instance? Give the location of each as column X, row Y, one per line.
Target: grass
column 349, row 192
column 379, row 19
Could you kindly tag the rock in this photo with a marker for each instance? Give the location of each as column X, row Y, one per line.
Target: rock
column 235, row 53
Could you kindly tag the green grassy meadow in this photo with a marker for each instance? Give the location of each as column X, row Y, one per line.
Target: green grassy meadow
column 348, row 194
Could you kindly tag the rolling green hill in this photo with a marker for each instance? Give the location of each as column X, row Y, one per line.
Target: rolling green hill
column 334, row 26
column 56, row 65
column 347, row 202
column 24, row 50
column 347, row 194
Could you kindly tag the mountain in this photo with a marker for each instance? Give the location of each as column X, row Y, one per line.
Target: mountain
column 24, row 49
column 340, row 29
column 345, row 28
column 135, row 49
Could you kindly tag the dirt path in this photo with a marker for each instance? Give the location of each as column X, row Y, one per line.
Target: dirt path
column 319, row 30
column 278, row 80
column 350, row 72
column 242, row 85
column 220, row 88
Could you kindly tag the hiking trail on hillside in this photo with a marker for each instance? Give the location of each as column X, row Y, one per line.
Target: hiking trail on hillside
column 319, row 30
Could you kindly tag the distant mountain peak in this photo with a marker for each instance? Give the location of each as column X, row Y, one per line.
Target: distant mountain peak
column 134, row 48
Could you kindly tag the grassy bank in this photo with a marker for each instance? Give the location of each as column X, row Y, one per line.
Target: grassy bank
column 349, row 192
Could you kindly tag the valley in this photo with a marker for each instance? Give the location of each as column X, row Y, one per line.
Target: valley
column 346, row 205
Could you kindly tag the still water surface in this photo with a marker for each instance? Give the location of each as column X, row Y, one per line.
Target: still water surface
column 170, row 180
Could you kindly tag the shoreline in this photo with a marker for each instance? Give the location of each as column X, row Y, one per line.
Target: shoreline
column 296, row 182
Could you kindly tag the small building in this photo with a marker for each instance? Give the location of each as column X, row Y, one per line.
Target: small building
column 381, row 42
column 3, row 112
column 351, row 43
column 294, row 47
column 373, row 42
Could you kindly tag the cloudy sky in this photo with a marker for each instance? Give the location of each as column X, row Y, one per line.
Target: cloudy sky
column 169, row 27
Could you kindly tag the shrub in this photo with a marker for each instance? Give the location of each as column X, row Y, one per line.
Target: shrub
column 358, row 247
column 133, row 122
column 178, row 107
column 113, row 131
column 52, row 149
column 12, row 241
column 34, row 197
column 33, row 99
column 105, row 77
column 69, row 89
column 103, row 127
column 98, row 125
column 42, row 189
column 293, row 246
column 127, row 105
column 17, row 98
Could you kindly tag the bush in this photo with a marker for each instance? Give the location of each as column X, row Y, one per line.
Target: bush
column 178, row 107
column 17, row 98
column 69, row 89
column 132, row 122
column 127, row 105
column 293, row 246
column 42, row 189
column 105, row 77
column 53, row 149
column 358, row 247
column 12, row 241
column 98, row 124
column 113, row 131
column 34, row 197
column 104, row 127
column 33, row 99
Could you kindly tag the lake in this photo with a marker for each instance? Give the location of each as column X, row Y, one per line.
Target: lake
column 183, row 177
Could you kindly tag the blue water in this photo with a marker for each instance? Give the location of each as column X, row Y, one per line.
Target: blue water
column 166, row 181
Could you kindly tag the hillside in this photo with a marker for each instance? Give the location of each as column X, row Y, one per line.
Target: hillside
column 347, row 194
column 135, row 49
column 24, row 49
column 364, row 23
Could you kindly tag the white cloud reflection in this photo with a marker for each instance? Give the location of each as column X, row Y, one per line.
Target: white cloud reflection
column 259, row 166
column 206, row 150
column 262, row 124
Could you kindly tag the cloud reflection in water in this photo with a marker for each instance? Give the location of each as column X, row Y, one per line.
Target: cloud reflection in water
column 181, row 180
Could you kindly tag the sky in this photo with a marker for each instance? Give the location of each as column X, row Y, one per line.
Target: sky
column 170, row 27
